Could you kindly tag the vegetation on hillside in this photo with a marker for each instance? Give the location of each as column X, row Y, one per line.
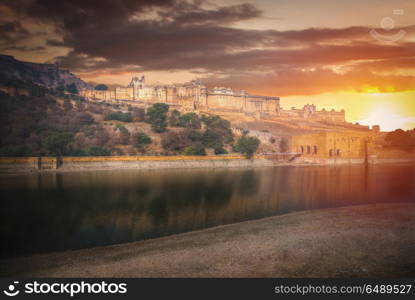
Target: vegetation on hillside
column 69, row 126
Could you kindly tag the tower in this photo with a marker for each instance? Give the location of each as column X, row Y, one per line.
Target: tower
column 137, row 84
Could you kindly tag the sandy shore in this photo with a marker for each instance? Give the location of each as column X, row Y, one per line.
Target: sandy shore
column 360, row 241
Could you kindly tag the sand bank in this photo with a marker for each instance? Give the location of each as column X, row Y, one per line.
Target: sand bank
column 360, row 241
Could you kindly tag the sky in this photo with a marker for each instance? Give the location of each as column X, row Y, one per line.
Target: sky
column 352, row 55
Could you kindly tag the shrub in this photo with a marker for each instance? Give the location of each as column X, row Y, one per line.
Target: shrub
column 220, row 150
column 174, row 141
column 124, row 135
column 118, row 126
column 119, row 116
column 17, row 150
column 58, row 143
column 157, row 116
column 189, row 120
column 212, row 139
column 220, row 126
column 141, row 140
column 78, row 152
column 194, row 135
column 99, row 151
column 174, row 119
column 194, row 150
column 247, row 145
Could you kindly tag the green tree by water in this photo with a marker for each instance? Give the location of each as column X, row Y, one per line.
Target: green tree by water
column 99, row 151
column 58, row 143
column 247, row 145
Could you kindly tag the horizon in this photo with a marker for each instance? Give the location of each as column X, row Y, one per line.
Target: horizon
column 358, row 57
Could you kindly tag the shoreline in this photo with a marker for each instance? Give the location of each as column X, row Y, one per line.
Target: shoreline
column 373, row 240
column 11, row 166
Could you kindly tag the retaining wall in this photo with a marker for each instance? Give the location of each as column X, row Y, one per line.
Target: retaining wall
column 33, row 164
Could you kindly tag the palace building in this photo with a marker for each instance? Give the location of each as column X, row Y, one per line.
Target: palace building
column 194, row 95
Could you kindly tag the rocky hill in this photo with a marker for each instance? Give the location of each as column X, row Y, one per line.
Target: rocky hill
column 47, row 75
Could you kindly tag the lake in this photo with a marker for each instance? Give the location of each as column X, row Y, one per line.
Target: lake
column 59, row 211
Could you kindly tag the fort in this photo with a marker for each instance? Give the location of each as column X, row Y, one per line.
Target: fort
column 195, row 96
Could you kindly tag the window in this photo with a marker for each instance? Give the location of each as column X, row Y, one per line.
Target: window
column 331, row 152
column 301, row 149
column 338, row 152
column 308, row 149
column 315, row 150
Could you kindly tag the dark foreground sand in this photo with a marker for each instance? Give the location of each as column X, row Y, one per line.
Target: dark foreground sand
column 359, row 241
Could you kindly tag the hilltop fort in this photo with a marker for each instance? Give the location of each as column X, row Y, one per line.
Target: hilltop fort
column 311, row 133
column 194, row 95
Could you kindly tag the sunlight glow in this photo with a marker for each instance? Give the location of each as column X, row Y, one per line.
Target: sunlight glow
column 388, row 116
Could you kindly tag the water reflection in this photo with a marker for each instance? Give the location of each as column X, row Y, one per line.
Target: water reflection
column 49, row 212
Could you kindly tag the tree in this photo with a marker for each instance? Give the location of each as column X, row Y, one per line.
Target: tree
column 220, row 126
column 400, row 139
column 141, row 140
column 101, row 87
column 71, row 88
column 119, row 116
column 190, row 120
column 18, row 150
column 157, row 116
column 211, row 139
column 194, row 150
column 247, row 145
column 174, row 119
column 58, row 143
column 99, row 151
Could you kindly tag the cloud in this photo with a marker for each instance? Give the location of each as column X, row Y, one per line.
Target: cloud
column 137, row 36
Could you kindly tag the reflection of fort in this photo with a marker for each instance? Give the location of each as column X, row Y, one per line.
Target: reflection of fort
column 53, row 211
column 195, row 95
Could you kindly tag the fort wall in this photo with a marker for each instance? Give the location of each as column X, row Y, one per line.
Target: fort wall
column 333, row 145
column 195, row 96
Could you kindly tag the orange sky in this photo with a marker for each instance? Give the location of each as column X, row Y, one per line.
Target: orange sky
column 356, row 55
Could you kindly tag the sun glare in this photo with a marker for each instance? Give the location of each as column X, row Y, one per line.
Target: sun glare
column 388, row 116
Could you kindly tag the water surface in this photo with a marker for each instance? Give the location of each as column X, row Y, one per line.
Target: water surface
column 60, row 211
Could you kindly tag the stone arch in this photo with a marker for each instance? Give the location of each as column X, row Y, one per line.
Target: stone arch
column 331, row 152
column 302, row 149
column 338, row 152
column 315, row 149
column 308, row 149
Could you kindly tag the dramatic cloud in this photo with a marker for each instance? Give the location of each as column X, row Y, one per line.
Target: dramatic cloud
column 204, row 38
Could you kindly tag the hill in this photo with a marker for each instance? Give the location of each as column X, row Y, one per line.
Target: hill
column 49, row 76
